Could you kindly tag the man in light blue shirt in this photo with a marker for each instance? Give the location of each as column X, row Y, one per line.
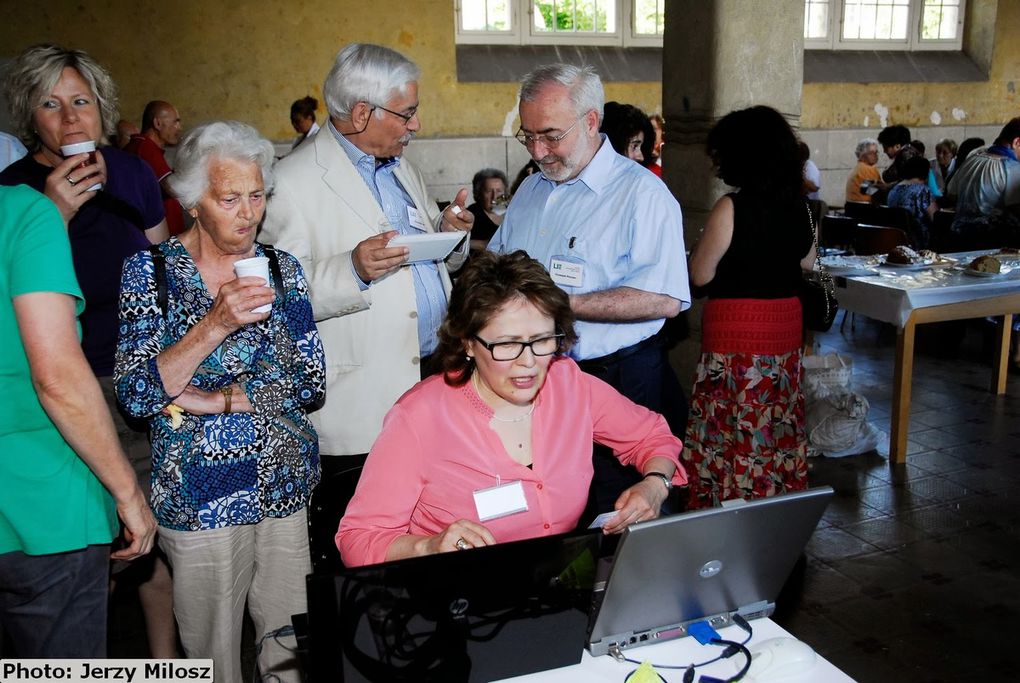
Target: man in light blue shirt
column 611, row 235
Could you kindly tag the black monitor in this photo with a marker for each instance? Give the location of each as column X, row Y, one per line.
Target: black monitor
column 477, row 615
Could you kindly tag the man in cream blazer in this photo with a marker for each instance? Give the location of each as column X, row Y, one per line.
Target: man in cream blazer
column 337, row 202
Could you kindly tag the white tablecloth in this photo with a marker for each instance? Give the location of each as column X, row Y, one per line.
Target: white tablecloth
column 684, row 651
column 890, row 294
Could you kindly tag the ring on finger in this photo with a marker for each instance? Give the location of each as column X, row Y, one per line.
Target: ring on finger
column 70, row 180
column 461, row 544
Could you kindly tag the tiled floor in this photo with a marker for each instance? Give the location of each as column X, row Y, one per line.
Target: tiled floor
column 913, row 573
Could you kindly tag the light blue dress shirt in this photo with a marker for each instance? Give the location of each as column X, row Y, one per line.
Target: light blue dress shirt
column 617, row 220
column 430, row 298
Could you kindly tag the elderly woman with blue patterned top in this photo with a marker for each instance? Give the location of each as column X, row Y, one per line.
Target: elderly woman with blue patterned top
column 226, row 389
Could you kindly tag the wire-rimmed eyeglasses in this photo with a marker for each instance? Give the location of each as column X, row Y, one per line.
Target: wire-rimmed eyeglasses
column 512, row 350
column 405, row 117
column 550, row 141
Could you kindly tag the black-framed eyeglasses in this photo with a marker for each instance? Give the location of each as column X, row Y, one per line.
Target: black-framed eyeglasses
column 406, row 118
column 512, row 350
column 550, row 141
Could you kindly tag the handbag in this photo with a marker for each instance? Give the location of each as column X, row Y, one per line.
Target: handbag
column 817, row 290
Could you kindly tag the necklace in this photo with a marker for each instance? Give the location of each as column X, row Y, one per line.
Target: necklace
column 519, row 418
column 497, row 418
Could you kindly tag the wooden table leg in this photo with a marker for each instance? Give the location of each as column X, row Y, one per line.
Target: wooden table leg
column 1000, row 362
column 902, row 376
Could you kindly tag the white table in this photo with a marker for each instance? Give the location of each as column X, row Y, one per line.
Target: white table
column 683, row 651
column 907, row 298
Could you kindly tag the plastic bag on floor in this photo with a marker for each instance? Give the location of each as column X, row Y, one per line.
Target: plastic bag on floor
column 836, row 416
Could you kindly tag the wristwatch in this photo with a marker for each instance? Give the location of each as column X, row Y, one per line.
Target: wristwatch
column 665, row 480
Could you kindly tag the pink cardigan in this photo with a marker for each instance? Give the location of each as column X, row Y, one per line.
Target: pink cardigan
column 436, row 449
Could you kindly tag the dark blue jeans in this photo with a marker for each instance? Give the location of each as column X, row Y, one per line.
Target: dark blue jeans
column 54, row 606
column 646, row 378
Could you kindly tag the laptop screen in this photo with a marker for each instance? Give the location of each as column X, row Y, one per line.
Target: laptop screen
column 478, row 615
column 706, row 564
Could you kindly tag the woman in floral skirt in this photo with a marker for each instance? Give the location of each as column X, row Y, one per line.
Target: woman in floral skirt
column 745, row 437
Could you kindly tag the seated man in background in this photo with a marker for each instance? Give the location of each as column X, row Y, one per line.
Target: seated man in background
column 987, row 191
column 865, row 179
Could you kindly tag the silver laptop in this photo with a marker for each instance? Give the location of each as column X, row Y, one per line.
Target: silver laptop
column 704, row 565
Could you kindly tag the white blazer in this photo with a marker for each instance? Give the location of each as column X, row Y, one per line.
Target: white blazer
column 319, row 211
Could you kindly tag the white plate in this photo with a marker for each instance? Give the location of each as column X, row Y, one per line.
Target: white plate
column 908, row 266
column 430, row 246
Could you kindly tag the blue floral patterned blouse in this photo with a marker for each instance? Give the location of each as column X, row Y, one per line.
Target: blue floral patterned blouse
column 231, row 468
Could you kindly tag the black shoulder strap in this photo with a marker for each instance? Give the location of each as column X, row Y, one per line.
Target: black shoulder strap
column 274, row 270
column 159, row 266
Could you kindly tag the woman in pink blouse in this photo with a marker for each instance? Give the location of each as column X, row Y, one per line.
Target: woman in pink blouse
column 498, row 447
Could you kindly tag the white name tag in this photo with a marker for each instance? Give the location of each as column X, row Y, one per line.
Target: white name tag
column 566, row 272
column 500, row 501
column 414, row 219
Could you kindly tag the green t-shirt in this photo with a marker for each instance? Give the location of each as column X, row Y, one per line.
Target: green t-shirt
column 50, row 501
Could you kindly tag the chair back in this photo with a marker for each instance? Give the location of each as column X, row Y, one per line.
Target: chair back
column 877, row 239
column 327, row 505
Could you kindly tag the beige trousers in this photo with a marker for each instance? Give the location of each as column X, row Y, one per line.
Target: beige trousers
column 215, row 571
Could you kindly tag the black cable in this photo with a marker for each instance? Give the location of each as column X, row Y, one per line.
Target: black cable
column 726, row 654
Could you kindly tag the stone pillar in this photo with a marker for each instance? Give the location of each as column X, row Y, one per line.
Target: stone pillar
column 721, row 55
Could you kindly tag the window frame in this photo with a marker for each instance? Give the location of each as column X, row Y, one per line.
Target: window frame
column 912, row 43
column 522, row 33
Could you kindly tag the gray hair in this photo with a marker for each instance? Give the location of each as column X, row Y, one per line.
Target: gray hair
column 862, row 146
column 231, row 140
column 478, row 182
column 583, row 82
column 366, row 73
column 32, row 77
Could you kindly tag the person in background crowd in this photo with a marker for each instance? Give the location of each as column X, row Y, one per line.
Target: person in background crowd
column 586, row 207
column 509, row 407
column 659, row 127
column 628, row 130
column 933, row 185
column 11, row 150
column 966, row 147
column 161, row 128
column 522, row 175
column 226, row 387
column 942, row 164
column 302, row 117
column 59, row 97
column 489, row 189
column 865, row 179
column 64, row 478
column 746, row 437
column 913, row 194
column 125, row 129
column 338, row 202
column 812, row 176
column 895, row 141
column 987, row 191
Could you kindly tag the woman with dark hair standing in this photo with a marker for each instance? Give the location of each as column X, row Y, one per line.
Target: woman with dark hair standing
column 510, row 411
column 629, row 131
column 745, row 437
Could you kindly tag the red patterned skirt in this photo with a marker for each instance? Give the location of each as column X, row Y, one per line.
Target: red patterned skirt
column 745, row 435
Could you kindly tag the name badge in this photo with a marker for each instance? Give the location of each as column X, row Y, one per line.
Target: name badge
column 566, row 271
column 414, row 219
column 500, row 501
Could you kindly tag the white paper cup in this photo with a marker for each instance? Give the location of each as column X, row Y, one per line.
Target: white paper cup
column 254, row 267
column 87, row 147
